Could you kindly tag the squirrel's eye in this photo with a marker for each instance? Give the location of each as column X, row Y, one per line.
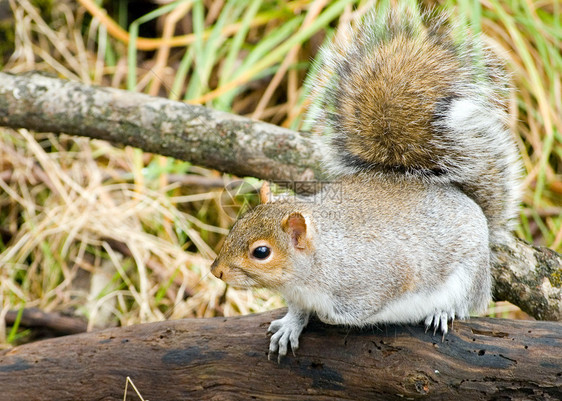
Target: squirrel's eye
column 261, row 252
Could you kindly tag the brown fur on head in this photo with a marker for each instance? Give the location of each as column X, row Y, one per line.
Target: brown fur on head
column 279, row 230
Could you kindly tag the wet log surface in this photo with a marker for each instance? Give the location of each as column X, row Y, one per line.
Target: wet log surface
column 226, row 359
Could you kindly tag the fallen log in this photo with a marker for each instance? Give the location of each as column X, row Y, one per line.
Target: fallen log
column 226, row 359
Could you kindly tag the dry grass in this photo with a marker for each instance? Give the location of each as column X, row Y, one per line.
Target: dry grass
column 119, row 236
column 66, row 209
column 66, row 202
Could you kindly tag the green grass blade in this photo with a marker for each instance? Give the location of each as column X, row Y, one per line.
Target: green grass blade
column 14, row 330
column 134, row 34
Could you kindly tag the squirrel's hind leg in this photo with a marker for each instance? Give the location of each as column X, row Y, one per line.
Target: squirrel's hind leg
column 439, row 320
column 287, row 330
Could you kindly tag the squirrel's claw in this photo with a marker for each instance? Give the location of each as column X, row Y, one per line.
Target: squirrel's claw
column 283, row 336
column 439, row 320
column 286, row 331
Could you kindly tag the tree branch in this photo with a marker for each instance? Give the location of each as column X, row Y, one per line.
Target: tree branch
column 226, row 358
column 528, row 276
column 203, row 136
column 53, row 321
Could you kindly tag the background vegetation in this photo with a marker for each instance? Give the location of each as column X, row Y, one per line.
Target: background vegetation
column 119, row 236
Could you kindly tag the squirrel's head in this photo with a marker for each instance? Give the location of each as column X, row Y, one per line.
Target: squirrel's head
column 263, row 245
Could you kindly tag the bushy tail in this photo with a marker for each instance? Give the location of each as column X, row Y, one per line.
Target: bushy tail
column 402, row 93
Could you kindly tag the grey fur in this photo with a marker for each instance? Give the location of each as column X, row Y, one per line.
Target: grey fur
column 379, row 260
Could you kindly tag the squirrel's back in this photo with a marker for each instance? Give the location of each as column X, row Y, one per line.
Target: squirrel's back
column 409, row 96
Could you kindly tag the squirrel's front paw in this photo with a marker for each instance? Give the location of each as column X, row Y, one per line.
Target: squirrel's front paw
column 286, row 331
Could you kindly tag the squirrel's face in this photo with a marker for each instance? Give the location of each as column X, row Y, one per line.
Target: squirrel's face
column 260, row 249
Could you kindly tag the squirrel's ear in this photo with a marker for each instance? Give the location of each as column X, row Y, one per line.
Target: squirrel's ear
column 295, row 225
column 265, row 192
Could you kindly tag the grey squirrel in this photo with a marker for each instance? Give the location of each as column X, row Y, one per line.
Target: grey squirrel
column 414, row 135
